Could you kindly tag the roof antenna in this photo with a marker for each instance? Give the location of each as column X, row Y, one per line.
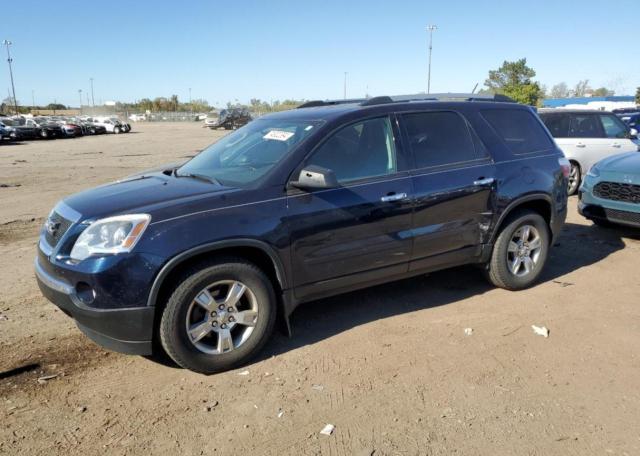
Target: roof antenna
column 474, row 88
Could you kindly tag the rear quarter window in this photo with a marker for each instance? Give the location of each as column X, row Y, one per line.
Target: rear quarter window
column 519, row 129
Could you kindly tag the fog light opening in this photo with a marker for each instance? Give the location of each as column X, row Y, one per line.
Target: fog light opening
column 85, row 293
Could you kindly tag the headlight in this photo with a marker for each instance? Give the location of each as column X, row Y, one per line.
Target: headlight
column 593, row 171
column 110, row 236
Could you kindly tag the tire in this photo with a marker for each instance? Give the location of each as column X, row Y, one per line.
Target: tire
column 575, row 178
column 116, row 130
column 208, row 355
column 44, row 134
column 500, row 269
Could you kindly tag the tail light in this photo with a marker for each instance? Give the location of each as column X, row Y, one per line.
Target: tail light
column 565, row 165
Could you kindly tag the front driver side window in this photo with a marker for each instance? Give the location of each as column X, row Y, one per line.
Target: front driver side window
column 358, row 151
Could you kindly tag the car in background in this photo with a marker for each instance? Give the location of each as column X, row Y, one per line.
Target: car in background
column 4, row 132
column 632, row 119
column 47, row 128
column 610, row 192
column 586, row 137
column 230, row 119
column 71, row 129
column 110, row 125
column 18, row 130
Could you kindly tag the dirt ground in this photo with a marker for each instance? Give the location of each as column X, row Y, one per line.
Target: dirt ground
column 391, row 367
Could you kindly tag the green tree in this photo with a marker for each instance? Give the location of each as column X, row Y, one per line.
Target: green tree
column 514, row 79
column 638, row 96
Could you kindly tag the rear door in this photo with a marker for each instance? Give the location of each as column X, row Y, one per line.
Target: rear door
column 454, row 184
column 359, row 232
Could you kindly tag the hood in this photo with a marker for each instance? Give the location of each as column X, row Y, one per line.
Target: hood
column 145, row 193
column 628, row 163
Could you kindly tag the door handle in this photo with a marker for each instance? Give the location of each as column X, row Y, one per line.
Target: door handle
column 484, row 181
column 393, row 197
column 616, row 145
column 581, row 146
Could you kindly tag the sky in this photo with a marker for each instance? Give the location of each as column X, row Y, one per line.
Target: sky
column 273, row 50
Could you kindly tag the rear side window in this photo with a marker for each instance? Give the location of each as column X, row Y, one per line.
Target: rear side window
column 585, row 126
column 558, row 124
column 613, row 127
column 519, row 129
column 439, row 138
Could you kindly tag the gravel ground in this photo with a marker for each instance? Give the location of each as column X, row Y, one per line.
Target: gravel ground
column 391, row 367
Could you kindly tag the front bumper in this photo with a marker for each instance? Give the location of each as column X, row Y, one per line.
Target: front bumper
column 594, row 211
column 125, row 330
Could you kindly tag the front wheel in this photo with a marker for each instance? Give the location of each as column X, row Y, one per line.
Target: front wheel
column 520, row 252
column 116, row 130
column 574, row 179
column 219, row 316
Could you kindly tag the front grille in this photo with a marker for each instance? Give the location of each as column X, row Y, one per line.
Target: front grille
column 616, row 191
column 55, row 227
column 623, row 216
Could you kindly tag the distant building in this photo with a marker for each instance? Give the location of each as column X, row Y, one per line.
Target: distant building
column 599, row 103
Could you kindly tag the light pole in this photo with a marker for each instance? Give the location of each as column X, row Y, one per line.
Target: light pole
column 190, row 105
column 8, row 43
column 33, row 99
column 80, row 96
column 93, row 102
column 345, row 85
column 431, row 29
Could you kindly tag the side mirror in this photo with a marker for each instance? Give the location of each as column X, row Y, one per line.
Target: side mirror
column 633, row 133
column 313, row 177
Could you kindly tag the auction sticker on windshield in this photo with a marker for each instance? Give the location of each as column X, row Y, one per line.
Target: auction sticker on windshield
column 278, row 135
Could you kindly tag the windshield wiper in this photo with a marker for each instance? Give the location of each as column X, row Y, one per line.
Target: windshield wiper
column 202, row 177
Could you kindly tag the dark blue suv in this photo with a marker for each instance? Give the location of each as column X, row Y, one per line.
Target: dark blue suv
column 201, row 260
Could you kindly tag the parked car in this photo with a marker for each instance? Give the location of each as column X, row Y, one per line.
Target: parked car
column 301, row 205
column 229, row 119
column 610, row 193
column 632, row 119
column 47, row 129
column 5, row 131
column 18, row 130
column 587, row 137
column 110, row 125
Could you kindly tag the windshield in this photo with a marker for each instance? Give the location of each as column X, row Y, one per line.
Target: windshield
column 247, row 154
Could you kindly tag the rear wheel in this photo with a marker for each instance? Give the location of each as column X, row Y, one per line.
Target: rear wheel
column 44, row 134
column 574, row 178
column 520, row 252
column 219, row 316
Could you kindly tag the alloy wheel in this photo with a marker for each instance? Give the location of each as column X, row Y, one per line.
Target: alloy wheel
column 574, row 178
column 222, row 317
column 524, row 250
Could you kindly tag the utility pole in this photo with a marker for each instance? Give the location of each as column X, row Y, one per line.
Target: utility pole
column 80, row 95
column 93, row 102
column 190, row 105
column 33, row 99
column 345, row 85
column 8, row 43
column 431, row 29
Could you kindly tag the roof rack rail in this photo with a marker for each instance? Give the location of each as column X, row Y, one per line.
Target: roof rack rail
column 438, row 97
column 315, row 103
column 405, row 98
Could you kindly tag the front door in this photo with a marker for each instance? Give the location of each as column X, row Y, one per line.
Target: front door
column 359, row 232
